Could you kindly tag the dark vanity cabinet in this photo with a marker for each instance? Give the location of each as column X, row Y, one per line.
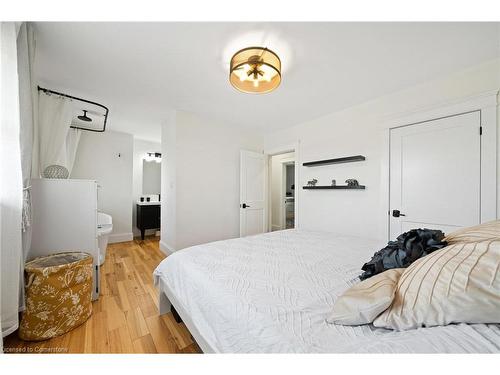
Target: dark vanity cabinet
column 148, row 217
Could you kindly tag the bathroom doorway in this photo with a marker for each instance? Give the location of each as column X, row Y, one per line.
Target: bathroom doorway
column 282, row 191
column 146, row 198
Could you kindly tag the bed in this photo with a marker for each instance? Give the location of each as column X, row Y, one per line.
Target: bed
column 271, row 293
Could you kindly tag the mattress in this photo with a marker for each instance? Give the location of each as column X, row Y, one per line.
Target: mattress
column 271, row 293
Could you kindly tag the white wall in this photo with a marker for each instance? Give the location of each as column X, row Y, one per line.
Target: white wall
column 140, row 149
column 362, row 130
column 168, row 239
column 276, row 171
column 201, row 180
column 107, row 158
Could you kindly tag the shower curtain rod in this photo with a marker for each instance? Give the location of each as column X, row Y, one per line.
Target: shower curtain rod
column 81, row 100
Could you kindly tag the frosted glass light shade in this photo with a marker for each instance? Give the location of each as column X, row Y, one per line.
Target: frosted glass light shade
column 255, row 70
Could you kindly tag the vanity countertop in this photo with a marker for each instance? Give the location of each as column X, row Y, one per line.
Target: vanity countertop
column 151, row 203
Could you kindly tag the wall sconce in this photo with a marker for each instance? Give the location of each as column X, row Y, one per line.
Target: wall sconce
column 153, row 156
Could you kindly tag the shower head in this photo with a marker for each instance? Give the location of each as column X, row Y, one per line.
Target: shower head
column 85, row 117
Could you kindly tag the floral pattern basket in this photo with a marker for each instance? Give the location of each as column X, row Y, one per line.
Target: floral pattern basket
column 58, row 295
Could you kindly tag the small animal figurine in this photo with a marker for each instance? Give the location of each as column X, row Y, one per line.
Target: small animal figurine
column 334, row 182
column 352, row 182
column 313, row 182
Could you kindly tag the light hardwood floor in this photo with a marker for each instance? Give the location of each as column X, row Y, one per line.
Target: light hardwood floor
column 125, row 317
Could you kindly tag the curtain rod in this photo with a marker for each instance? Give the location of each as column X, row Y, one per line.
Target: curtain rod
column 47, row 91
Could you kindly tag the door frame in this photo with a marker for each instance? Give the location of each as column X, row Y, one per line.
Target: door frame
column 291, row 147
column 486, row 105
column 284, row 164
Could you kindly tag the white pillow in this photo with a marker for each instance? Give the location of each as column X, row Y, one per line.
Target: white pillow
column 366, row 300
column 457, row 284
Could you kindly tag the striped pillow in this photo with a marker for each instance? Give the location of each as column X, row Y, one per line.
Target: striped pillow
column 481, row 232
column 457, row 284
column 366, row 300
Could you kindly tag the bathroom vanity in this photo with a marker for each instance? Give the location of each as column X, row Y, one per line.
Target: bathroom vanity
column 148, row 216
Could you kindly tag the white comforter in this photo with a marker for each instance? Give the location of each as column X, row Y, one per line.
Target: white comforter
column 272, row 292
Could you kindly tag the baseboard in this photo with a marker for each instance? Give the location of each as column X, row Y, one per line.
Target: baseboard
column 120, row 237
column 166, row 248
column 275, row 227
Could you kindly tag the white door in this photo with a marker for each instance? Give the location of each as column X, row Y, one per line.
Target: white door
column 435, row 174
column 253, row 182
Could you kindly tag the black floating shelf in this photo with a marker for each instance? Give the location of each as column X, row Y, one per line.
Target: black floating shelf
column 347, row 159
column 343, row 187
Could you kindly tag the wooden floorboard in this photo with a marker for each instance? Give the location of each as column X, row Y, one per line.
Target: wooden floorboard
column 125, row 317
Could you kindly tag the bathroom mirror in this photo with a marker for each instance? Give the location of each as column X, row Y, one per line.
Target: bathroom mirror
column 151, row 177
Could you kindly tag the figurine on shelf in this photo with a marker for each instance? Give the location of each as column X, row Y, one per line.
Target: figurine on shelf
column 313, row 182
column 334, row 182
column 352, row 182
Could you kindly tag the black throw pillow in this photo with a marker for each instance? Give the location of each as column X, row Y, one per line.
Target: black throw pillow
column 407, row 248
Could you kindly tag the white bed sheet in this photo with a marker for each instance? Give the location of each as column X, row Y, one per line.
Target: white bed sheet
column 271, row 293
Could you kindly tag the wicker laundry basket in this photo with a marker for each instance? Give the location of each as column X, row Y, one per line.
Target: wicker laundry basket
column 58, row 295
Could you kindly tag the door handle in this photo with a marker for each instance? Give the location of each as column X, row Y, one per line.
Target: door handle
column 397, row 213
column 244, row 205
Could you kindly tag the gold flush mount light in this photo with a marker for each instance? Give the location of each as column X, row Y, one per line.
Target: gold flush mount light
column 255, row 70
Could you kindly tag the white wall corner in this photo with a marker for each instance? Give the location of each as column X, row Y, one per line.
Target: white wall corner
column 168, row 228
column 166, row 248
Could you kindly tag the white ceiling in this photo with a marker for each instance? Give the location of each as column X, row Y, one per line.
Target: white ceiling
column 143, row 70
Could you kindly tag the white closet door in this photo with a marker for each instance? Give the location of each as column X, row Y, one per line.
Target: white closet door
column 253, row 193
column 435, row 174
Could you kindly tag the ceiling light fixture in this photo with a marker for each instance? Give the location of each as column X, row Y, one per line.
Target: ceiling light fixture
column 255, row 70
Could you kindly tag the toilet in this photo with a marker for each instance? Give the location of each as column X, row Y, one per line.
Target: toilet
column 104, row 228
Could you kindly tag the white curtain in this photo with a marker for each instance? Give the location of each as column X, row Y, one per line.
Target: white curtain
column 11, row 184
column 27, row 103
column 28, row 97
column 72, row 140
column 55, row 113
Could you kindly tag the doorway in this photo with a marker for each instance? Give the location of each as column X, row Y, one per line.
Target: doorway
column 282, row 191
column 267, row 190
